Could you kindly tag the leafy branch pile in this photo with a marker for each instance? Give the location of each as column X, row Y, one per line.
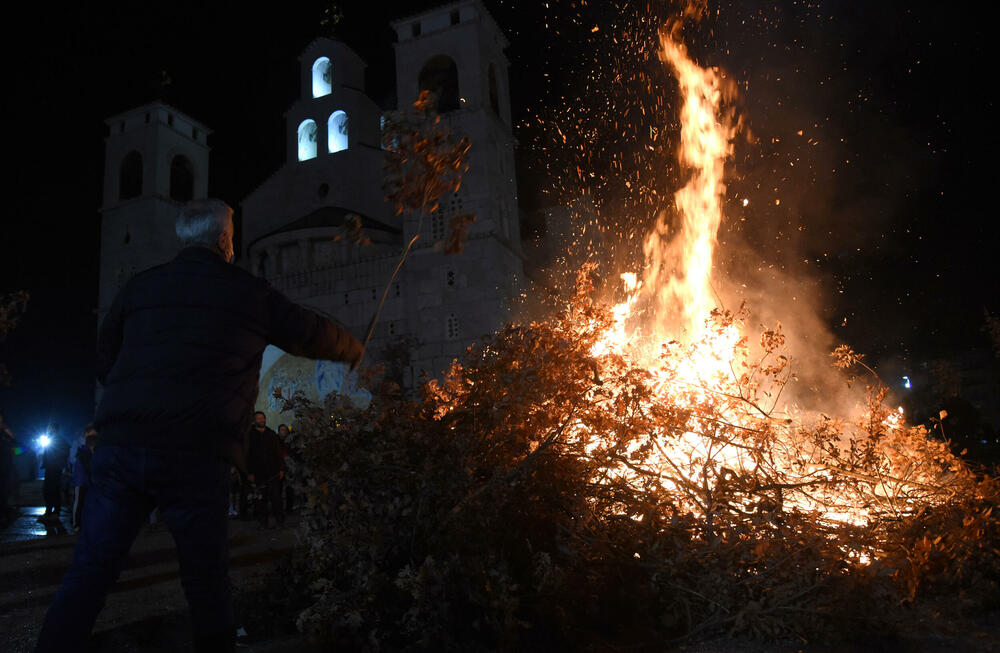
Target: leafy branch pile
column 544, row 498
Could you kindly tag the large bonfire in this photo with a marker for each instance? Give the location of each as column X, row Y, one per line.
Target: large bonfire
column 620, row 476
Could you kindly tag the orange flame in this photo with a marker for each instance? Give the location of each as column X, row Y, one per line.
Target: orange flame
column 711, row 368
column 679, row 266
column 677, row 280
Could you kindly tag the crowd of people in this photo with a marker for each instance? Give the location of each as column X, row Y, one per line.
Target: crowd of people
column 64, row 473
column 260, row 492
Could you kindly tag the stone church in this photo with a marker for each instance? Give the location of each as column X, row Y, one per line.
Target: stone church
column 157, row 158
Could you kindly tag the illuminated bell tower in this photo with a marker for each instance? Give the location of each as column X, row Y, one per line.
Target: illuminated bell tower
column 156, row 158
column 456, row 51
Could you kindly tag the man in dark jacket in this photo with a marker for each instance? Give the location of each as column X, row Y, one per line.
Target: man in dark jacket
column 267, row 470
column 81, row 474
column 179, row 356
column 54, row 460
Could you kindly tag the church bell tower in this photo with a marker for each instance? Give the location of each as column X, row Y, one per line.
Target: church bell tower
column 156, row 158
column 456, row 51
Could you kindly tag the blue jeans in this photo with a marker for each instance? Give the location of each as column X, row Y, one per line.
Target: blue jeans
column 191, row 491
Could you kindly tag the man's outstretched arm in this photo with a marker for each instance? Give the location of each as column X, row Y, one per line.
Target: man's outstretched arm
column 302, row 332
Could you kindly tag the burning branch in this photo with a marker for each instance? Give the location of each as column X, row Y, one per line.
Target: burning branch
column 645, row 466
column 519, row 476
column 423, row 161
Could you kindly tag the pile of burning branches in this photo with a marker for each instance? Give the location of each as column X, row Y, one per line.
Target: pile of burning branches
column 578, row 483
column 554, row 492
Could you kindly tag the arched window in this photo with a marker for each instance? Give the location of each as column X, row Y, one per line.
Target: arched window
column 494, row 94
column 322, row 77
column 451, row 330
column 440, row 77
column 336, row 130
column 307, row 139
column 130, row 176
column 181, row 179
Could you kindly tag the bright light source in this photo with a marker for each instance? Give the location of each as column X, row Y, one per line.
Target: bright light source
column 44, row 441
column 906, row 382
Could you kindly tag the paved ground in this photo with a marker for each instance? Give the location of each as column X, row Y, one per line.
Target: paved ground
column 146, row 610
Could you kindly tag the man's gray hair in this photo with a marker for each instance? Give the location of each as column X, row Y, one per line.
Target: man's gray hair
column 201, row 222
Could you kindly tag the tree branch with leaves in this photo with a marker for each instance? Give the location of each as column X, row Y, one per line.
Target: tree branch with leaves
column 423, row 161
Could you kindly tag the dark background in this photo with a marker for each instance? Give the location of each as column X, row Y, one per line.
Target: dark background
column 885, row 200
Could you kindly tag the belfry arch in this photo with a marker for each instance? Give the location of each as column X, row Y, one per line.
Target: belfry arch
column 440, row 76
column 181, row 179
column 322, row 77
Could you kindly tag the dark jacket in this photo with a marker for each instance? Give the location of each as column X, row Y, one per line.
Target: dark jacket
column 179, row 353
column 55, row 456
column 264, row 459
column 81, row 468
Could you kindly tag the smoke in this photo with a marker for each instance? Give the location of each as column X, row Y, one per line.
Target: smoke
column 800, row 304
column 783, row 226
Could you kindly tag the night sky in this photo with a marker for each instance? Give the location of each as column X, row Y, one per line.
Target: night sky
column 868, row 162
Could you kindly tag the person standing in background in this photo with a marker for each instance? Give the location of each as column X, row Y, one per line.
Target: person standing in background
column 54, row 460
column 81, row 474
column 267, row 470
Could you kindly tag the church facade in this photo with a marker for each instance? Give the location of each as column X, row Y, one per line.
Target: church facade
column 438, row 304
